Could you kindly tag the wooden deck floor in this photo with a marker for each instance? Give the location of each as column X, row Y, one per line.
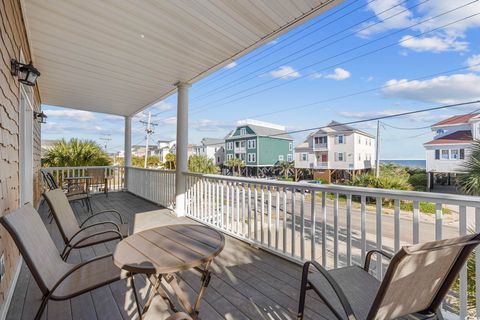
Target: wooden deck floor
column 248, row 283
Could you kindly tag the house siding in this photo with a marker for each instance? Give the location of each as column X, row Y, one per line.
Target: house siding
column 271, row 148
column 13, row 40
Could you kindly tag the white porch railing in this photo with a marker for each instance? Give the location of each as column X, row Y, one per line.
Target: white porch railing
column 335, row 225
column 114, row 174
column 154, row 185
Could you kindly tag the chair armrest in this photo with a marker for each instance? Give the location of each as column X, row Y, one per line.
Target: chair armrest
column 93, row 235
column 370, row 253
column 103, row 212
column 94, row 225
column 336, row 288
column 179, row 316
column 75, row 268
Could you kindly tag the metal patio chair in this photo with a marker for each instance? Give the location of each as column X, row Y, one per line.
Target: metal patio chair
column 86, row 234
column 414, row 286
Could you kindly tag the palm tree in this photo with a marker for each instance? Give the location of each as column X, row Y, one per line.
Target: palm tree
column 236, row 163
column 76, row 153
column 170, row 161
column 152, row 161
column 284, row 167
column 470, row 181
column 201, row 164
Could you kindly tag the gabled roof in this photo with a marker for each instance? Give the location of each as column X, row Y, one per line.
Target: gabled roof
column 456, row 137
column 460, row 119
column 212, row 141
column 335, row 126
column 261, row 131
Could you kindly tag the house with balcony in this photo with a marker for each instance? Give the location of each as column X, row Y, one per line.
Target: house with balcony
column 212, row 148
column 121, row 58
column 261, row 145
column 450, row 147
column 336, row 152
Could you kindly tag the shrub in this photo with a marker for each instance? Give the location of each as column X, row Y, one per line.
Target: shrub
column 418, row 181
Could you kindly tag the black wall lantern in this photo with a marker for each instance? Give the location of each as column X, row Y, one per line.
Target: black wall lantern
column 26, row 73
column 40, row 115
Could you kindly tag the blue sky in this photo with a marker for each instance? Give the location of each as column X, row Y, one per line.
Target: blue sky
column 327, row 59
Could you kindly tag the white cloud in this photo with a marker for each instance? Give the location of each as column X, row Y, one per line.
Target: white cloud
column 231, row 65
column 285, row 72
column 433, row 44
column 163, row 106
column 167, row 121
column 208, row 125
column 451, row 36
column 443, row 89
column 339, row 74
column 316, row 75
column 473, row 62
column 78, row 115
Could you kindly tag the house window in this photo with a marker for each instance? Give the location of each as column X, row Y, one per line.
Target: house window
column 339, row 156
column 359, row 139
column 242, row 144
column 454, row 154
column 229, row 156
column 340, row 139
column 252, row 144
column 320, row 140
column 289, row 158
column 437, row 154
column 444, row 154
column 237, row 144
column 304, row 156
column 251, row 157
column 290, row 146
column 243, row 131
column 280, row 157
column 359, row 157
column 229, row 145
column 462, row 154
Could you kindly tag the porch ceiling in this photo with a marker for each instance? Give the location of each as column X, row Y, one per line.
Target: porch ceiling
column 120, row 57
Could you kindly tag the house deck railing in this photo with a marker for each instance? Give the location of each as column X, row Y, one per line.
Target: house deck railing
column 335, row 225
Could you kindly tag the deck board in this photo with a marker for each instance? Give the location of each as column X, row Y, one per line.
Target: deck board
column 248, row 283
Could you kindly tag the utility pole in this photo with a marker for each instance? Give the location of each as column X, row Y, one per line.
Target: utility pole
column 377, row 151
column 149, row 130
column 106, row 138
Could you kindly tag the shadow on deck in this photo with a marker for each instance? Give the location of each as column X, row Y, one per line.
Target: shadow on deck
column 248, row 283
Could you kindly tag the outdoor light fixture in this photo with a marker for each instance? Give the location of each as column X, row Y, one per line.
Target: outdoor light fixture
column 26, row 73
column 39, row 115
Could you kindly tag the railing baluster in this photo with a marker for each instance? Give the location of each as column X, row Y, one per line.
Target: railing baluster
column 324, row 229
column 463, row 271
column 302, row 225
column 243, row 209
column 439, row 222
column 293, row 222
column 227, row 204
column 222, row 207
column 249, row 212
column 312, row 228
column 396, row 233
column 237, row 229
column 284, row 220
column 335, row 231
column 416, row 222
column 378, row 231
column 277, row 216
column 255, row 210
column 232, row 201
column 269, row 216
column 349, row 229
column 262, row 213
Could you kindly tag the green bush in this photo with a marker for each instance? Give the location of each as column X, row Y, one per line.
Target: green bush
column 425, row 207
column 418, row 181
column 322, row 181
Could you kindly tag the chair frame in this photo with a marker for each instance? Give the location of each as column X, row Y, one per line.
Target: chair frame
column 432, row 311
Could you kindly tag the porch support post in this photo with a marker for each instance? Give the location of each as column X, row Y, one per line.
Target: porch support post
column 181, row 147
column 128, row 148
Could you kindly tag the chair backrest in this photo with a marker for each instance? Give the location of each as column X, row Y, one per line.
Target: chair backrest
column 98, row 175
column 419, row 277
column 49, row 180
column 62, row 213
column 36, row 246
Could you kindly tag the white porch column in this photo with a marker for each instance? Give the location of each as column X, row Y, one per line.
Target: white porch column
column 181, row 147
column 127, row 153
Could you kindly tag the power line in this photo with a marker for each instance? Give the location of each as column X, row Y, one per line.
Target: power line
column 273, row 46
column 236, row 81
column 337, row 64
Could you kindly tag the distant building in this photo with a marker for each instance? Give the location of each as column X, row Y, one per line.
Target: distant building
column 336, row 152
column 139, row 150
column 261, row 145
column 165, row 147
column 212, row 148
column 450, row 147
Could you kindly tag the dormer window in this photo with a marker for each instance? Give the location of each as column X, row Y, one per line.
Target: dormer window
column 243, row 131
column 440, row 131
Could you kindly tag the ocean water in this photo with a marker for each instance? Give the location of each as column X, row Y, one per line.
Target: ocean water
column 408, row 163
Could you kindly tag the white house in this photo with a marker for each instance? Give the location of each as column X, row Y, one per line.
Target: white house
column 165, row 147
column 450, row 147
column 336, row 152
column 212, row 148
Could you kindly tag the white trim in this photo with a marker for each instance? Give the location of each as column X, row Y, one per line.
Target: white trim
column 11, row 289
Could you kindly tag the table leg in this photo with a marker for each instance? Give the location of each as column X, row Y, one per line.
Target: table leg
column 132, row 285
column 206, row 276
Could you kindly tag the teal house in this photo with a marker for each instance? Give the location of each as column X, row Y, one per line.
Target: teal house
column 261, row 145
